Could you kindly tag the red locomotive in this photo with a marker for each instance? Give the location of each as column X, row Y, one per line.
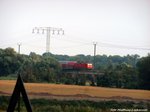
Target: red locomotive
column 74, row 65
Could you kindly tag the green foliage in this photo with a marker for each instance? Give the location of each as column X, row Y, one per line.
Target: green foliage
column 33, row 67
column 120, row 76
column 122, row 72
column 43, row 105
column 4, row 102
column 40, row 69
column 8, row 61
column 9, row 77
column 144, row 72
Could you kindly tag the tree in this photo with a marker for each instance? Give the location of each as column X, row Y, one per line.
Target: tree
column 28, row 71
column 40, row 68
column 9, row 63
column 120, row 76
column 47, row 69
column 144, row 72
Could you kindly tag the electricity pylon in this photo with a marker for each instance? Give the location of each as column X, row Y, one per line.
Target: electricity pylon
column 49, row 31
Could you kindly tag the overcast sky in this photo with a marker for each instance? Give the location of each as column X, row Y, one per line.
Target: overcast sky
column 119, row 27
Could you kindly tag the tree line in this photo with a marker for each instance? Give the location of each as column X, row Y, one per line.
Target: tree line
column 131, row 71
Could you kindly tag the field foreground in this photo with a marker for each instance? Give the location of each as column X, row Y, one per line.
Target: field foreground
column 73, row 92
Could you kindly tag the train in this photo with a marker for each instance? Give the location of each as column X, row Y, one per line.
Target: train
column 75, row 65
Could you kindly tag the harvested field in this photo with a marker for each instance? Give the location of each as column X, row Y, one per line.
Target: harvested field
column 73, row 92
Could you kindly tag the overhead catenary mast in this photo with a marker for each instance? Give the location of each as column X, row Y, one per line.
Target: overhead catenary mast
column 94, row 43
column 49, row 31
column 19, row 45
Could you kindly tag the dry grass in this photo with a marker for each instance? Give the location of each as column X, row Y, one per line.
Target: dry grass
column 7, row 86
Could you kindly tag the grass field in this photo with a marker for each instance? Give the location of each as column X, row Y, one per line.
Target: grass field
column 60, row 91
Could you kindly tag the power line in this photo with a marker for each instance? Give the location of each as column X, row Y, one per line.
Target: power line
column 110, row 45
column 49, row 31
column 122, row 46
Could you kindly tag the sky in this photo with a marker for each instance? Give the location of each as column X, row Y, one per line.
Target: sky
column 118, row 27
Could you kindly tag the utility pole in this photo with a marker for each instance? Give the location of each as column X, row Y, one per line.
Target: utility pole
column 19, row 45
column 49, row 31
column 94, row 43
